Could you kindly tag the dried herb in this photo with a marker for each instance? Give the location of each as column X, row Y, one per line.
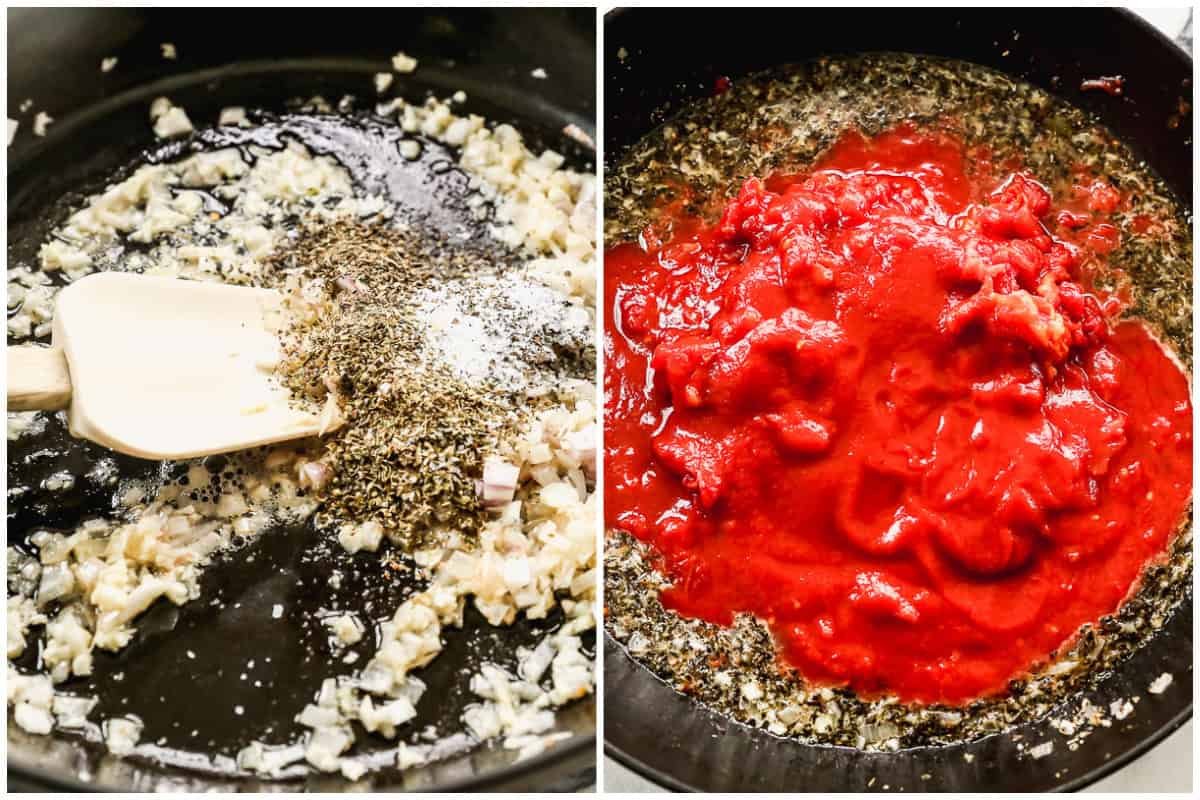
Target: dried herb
column 411, row 448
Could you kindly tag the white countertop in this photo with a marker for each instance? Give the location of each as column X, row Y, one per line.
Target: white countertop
column 1166, row 768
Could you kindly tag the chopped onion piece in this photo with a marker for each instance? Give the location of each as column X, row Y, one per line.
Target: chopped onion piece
column 312, row 474
column 499, row 483
column 331, row 416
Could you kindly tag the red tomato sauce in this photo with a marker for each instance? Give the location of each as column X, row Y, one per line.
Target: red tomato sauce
column 878, row 407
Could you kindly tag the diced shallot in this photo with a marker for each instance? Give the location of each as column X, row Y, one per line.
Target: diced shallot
column 312, row 474
column 331, row 415
column 350, row 284
column 582, row 444
column 499, row 483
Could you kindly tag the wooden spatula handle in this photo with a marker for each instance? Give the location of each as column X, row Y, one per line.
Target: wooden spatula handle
column 38, row 379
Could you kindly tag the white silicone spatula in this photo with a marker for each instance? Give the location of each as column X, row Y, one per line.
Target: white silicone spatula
column 161, row 368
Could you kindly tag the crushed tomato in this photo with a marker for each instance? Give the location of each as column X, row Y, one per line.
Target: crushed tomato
column 879, row 407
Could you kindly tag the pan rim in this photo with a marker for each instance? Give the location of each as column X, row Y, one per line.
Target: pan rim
column 657, row 776
column 573, row 747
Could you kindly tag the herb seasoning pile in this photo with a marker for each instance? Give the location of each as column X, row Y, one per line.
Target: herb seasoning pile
column 411, row 449
column 431, row 358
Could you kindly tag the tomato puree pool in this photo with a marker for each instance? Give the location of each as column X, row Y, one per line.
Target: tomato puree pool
column 882, row 407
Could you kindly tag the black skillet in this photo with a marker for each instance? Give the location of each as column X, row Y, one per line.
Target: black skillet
column 260, row 59
column 673, row 59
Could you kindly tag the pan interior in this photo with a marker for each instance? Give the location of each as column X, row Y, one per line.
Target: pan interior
column 189, row 666
column 669, row 737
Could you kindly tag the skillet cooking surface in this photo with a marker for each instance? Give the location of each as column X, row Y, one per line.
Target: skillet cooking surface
column 189, row 666
column 669, row 738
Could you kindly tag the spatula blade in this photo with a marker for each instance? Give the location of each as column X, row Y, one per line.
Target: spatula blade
column 169, row 369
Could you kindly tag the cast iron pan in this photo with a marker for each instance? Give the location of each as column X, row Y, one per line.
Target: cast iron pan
column 667, row 737
column 188, row 666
